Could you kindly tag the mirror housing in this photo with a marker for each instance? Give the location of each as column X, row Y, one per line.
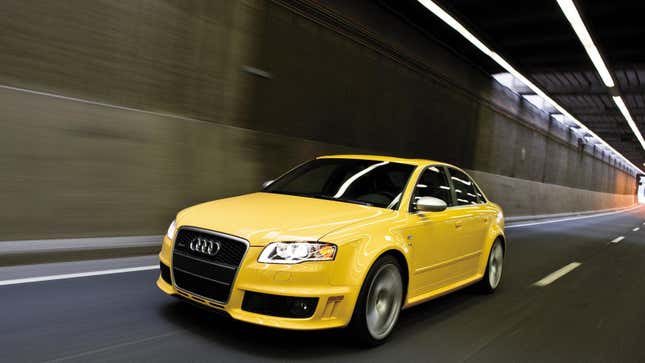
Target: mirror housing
column 267, row 183
column 430, row 204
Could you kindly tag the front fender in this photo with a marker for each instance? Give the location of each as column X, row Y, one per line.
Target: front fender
column 356, row 258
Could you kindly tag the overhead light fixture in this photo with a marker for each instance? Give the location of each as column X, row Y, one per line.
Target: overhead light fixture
column 630, row 121
column 558, row 117
column 454, row 23
column 571, row 12
column 536, row 100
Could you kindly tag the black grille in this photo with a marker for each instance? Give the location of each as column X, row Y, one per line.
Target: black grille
column 231, row 252
column 204, row 275
column 165, row 273
column 277, row 305
column 201, row 286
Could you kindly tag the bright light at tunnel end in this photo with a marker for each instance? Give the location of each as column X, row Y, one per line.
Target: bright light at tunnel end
column 456, row 25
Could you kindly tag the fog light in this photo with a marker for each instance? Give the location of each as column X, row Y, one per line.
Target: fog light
column 277, row 305
column 301, row 308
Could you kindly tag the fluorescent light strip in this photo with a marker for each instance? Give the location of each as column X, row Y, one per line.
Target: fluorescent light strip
column 453, row 23
column 630, row 121
column 571, row 12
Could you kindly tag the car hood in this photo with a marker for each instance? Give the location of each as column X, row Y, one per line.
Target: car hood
column 262, row 218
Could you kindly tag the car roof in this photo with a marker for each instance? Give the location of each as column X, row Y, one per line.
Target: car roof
column 416, row 162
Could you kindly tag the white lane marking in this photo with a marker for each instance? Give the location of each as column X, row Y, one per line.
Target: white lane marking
column 635, row 229
column 569, row 219
column 77, row 275
column 557, row 274
column 617, row 239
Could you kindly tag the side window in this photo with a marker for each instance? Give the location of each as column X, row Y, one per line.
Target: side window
column 480, row 197
column 433, row 183
column 465, row 189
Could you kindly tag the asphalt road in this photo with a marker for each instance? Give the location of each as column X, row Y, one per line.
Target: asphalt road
column 594, row 313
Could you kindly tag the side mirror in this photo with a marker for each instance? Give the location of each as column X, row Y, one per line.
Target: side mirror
column 430, row 204
column 267, row 183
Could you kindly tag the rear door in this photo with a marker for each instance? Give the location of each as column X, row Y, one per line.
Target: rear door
column 473, row 222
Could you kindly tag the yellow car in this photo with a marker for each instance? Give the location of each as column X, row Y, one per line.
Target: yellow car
column 345, row 240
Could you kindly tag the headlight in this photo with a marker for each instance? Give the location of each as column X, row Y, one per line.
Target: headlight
column 171, row 230
column 296, row 252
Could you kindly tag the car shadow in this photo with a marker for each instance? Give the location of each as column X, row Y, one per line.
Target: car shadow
column 282, row 344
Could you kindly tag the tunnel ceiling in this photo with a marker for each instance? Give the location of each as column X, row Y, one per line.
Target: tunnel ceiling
column 537, row 39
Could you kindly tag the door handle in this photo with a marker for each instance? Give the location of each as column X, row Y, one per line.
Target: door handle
column 459, row 224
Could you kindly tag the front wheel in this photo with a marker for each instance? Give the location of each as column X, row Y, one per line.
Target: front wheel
column 379, row 302
column 493, row 275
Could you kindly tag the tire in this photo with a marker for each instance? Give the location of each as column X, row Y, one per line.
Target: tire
column 379, row 303
column 494, row 269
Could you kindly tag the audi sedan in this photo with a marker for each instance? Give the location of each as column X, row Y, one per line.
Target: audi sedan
column 339, row 241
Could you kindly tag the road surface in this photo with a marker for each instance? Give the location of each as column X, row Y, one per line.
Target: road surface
column 569, row 294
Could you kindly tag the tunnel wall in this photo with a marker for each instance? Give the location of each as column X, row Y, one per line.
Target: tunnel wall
column 181, row 102
column 523, row 198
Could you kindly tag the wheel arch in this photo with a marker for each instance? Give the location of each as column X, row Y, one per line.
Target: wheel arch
column 403, row 262
column 494, row 235
column 502, row 239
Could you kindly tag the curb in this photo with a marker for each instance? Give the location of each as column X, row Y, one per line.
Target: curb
column 539, row 217
column 27, row 252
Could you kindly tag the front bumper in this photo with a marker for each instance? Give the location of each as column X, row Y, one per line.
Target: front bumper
column 335, row 302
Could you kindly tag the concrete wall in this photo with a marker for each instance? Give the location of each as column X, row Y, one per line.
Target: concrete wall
column 76, row 169
column 524, row 198
column 183, row 117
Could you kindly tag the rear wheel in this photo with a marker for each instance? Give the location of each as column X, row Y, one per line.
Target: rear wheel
column 494, row 268
column 379, row 302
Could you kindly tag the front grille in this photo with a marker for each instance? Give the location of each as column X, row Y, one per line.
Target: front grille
column 209, row 276
column 232, row 248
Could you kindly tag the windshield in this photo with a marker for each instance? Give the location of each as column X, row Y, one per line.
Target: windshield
column 368, row 182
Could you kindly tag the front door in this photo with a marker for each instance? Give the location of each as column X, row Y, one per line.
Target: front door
column 434, row 236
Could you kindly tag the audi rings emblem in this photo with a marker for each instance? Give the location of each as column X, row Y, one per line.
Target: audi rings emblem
column 204, row 246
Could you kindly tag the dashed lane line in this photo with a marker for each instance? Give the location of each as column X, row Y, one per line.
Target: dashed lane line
column 557, row 274
column 617, row 239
